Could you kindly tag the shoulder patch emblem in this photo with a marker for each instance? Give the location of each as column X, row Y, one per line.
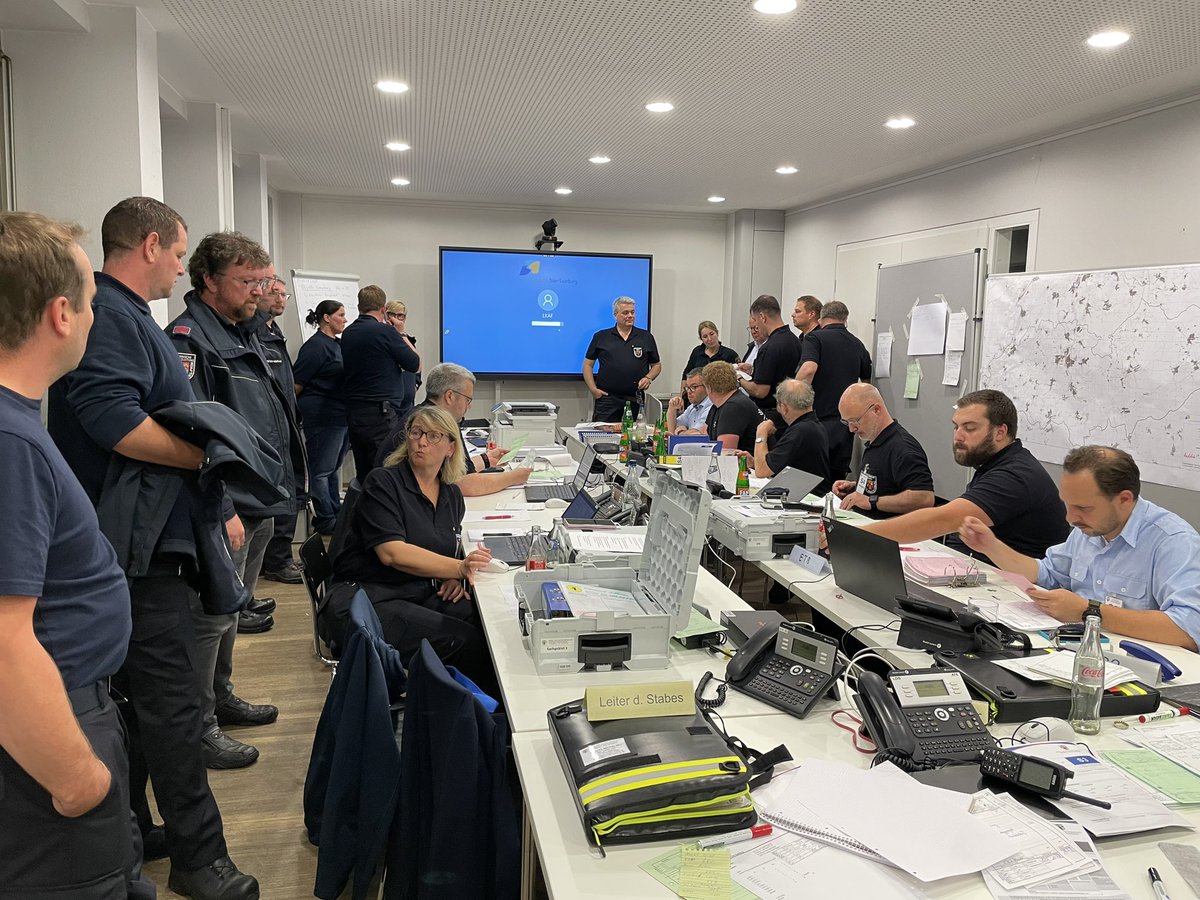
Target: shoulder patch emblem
column 189, row 363
column 185, row 330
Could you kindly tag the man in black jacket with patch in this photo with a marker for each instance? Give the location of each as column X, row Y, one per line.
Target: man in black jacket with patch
column 225, row 362
column 99, row 414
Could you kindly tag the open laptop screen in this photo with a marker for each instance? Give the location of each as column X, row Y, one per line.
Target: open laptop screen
column 865, row 564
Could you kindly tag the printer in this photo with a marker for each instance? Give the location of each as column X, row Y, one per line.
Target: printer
column 534, row 420
column 757, row 532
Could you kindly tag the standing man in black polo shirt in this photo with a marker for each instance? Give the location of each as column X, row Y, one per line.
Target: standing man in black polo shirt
column 375, row 357
column 802, row 444
column 629, row 363
column 894, row 477
column 777, row 358
column 733, row 417
column 64, row 604
column 832, row 359
column 1010, row 490
column 100, row 415
column 806, row 317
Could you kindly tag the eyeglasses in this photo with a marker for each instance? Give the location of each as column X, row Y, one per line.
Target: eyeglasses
column 434, row 437
column 853, row 423
column 692, row 387
column 261, row 283
column 397, row 315
column 470, row 398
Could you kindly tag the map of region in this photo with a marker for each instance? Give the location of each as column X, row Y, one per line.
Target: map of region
column 1101, row 358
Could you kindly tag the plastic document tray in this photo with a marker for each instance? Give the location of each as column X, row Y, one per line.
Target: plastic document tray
column 564, row 536
column 1017, row 699
column 663, row 583
column 753, row 538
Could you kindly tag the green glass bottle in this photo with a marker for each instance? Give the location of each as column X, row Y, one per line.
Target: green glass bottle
column 743, row 478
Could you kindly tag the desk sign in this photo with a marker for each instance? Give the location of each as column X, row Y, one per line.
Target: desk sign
column 639, row 701
column 807, row 560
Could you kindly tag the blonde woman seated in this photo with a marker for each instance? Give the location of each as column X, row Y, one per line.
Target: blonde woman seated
column 403, row 549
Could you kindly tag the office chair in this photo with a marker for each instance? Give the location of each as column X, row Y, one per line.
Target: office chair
column 316, row 569
column 345, row 515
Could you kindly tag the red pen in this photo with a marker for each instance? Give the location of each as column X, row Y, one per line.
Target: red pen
column 735, row 837
column 494, row 518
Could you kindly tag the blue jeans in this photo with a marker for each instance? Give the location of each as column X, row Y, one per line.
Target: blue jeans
column 327, row 446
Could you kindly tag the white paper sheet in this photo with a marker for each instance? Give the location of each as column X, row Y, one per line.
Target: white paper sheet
column 1045, row 851
column 924, row 830
column 883, row 354
column 501, row 518
column 695, row 469
column 1177, row 740
column 1134, row 809
column 928, row 335
column 952, row 368
column 728, row 467
column 1094, row 885
column 775, row 868
column 956, row 332
column 607, row 541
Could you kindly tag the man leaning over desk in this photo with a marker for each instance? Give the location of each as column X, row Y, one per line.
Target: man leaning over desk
column 1135, row 563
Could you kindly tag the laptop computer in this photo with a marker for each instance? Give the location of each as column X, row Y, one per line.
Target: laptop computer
column 540, row 493
column 869, row 566
column 791, row 485
column 514, row 548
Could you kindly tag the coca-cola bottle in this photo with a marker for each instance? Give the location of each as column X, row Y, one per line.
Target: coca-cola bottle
column 1087, row 684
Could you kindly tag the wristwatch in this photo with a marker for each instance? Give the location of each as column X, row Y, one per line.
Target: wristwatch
column 1093, row 609
column 874, row 501
column 760, row 440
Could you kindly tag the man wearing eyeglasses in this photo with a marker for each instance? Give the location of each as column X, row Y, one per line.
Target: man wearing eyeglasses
column 217, row 341
column 694, row 418
column 894, row 477
column 375, row 356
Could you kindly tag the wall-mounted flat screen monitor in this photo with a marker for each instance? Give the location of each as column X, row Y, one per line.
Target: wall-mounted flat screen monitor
column 509, row 313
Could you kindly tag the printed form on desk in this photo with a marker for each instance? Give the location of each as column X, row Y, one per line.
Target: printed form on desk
column 1045, row 854
column 1095, row 884
column 1178, row 740
column 607, row 542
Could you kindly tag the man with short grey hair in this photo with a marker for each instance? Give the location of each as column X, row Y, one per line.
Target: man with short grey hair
column 802, row 444
column 629, row 363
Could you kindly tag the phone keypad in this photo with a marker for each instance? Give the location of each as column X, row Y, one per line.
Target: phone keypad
column 786, row 685
column 948, row 731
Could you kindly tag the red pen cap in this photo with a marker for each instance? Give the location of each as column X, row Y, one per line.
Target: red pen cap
column 760, row 830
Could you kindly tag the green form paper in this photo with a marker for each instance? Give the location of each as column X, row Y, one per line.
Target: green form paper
column 704, row 874
column 1159, row 773
column 518, row 444
column 912, row 381
column 665, row 869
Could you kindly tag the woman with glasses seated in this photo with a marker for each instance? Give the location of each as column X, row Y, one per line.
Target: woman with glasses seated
column 403, row 549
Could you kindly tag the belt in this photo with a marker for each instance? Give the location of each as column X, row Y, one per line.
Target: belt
column 93, row 696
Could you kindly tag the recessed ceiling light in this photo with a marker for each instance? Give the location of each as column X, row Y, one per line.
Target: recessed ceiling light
column 599, row 160
column 562, row 190
column 900, row 123
column 660, row 106
column 400, row 182
column 774, row 7
column 392, row 87
column 1106, row 39
column 715, row 199
column 397, row 146
column 786, row 170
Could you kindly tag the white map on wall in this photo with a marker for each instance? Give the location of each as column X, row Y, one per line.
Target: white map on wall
column 1101, row 358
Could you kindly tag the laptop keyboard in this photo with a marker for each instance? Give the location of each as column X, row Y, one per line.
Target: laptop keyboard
column 513, row 549
column 540, row 493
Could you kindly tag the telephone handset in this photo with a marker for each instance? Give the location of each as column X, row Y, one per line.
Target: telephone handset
column 787, row 667
column 933, row 720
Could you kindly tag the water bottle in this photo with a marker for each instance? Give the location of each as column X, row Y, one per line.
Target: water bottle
column 1087, row 683
column 539, row 550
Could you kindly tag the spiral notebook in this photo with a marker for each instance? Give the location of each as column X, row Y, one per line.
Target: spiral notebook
column 781, row 803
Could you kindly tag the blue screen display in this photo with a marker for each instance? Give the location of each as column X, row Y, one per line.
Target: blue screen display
column 514, row 313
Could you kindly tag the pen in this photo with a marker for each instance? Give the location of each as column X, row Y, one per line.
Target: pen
column 1155, row 882
column 734, row 837
column 494, row 518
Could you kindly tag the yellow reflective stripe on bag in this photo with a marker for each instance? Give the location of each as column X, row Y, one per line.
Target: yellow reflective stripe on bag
column 714, row 806
column 660, row 773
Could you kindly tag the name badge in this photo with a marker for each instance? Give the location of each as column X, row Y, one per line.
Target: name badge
column 639, row 701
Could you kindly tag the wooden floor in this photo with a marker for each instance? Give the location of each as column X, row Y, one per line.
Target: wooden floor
column 262, row 806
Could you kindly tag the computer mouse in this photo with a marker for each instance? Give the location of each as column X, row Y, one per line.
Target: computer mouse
column 556, row 503
column 497, row 566
column 1044, row 728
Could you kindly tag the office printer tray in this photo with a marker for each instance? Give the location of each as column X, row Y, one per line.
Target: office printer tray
column 1016, row 699
column 751, row 538
column 645, row 779
column 663, row 584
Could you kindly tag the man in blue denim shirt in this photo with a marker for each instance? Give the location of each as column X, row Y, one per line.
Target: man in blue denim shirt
column 1135, row 563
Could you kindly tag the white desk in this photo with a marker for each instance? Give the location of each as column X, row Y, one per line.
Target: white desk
column 573, row 871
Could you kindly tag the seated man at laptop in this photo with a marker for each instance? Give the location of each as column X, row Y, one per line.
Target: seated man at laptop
column 694, row 418
column 452, row 387
column 802, row 444
column 1010, row 490
column 734, row 416
column 894, row 477
column 1136, row 564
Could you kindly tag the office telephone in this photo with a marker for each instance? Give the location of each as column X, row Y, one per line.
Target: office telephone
column 933, row 720
column 785, row 666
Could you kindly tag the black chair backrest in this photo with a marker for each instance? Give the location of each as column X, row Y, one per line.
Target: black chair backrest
column 341, row 528
column 317, row 567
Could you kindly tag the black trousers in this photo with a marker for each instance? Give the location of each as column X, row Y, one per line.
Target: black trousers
column 610, row 409
column 279, row 547
column 46, row 856
column 841, row 447
column 165, row 721
column 369, row 426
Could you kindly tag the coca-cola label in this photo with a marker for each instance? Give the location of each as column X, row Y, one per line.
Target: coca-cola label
column 535, row 564
column 1091, row 671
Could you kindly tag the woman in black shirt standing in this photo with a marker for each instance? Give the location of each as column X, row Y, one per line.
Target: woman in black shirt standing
column 318, row 373
column 403, row 548
column 708, row 350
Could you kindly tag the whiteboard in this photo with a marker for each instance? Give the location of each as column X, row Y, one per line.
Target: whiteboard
column 310, row 288
column 1104, row 357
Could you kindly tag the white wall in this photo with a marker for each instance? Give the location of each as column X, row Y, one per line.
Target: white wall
column 395, row 245
column 1124, row 195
